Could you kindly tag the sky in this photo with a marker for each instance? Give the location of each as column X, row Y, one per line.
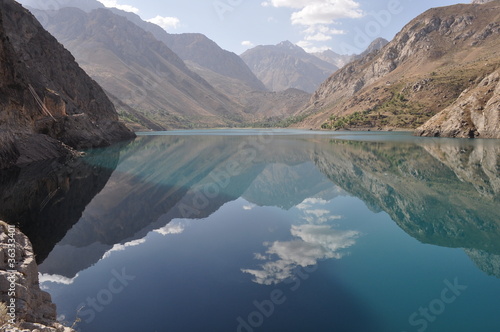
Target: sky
column 344, row 26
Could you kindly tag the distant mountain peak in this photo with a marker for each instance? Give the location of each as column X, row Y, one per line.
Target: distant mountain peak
column 287, row 65
column 287, row 43
column 85, row 5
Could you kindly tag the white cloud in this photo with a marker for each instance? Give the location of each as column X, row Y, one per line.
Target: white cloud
column 114, row 4
column 317, row 16
column 326, row 12
column 166, row 23
column 311, row 243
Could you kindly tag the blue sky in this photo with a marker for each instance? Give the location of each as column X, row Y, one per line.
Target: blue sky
column 345, row 26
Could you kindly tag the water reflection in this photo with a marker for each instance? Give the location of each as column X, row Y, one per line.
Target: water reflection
column 442, row 192
column 311, row 244
column 47, row 198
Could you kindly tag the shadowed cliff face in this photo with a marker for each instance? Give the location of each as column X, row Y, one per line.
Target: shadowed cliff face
column 46, row 99
column 47, row 198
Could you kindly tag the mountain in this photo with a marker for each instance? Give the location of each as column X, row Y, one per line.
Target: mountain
column 374, row 46
column 137, row 69
column 48, row 104
column 422, row 71
column 85, row 5
column 476, row 113
column 338, row 60
column 286, row 65
column 200, row 51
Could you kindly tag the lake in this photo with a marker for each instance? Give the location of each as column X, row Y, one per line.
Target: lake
column 268, row 230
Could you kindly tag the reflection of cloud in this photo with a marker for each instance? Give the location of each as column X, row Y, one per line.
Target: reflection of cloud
column 315, row 215
column 55, row 278
column 312, row 243
column 121, row 247
column 309, row 202
column 170, row 229
column 248, row 207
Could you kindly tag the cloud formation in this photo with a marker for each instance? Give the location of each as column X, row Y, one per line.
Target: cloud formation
column 317, row 16
column 114, row 4
column 166, row 23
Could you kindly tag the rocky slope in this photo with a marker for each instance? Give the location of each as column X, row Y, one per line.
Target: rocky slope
column 286, row 65
column 476, row 113
column 423, row 70
column 139, row 70
column 34, row 310
column 47, row 102
column 374, row 46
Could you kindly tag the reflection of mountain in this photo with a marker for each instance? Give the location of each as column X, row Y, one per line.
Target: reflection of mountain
column 451, row 206
column 287, row 186
column 444, row 193
column 487, row 262
column 46, row 199
column 163, row 178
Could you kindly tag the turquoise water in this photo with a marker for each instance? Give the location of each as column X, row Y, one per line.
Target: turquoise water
column 284, row 231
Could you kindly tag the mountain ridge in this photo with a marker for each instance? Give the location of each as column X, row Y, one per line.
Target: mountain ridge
column 423, row 70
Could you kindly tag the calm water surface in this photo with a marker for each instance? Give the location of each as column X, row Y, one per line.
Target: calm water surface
column 274, row 231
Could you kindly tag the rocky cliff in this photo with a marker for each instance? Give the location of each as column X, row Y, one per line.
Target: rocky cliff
column 422, row 71
column 32, row 308
column 476, row 113
column 47, row 102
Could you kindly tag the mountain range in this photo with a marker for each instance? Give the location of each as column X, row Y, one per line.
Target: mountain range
column 440, row 62
column 195, row 90
column 435, row 59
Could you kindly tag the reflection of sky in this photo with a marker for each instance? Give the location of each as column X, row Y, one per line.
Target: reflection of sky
column 312, row 242
column 175, row 227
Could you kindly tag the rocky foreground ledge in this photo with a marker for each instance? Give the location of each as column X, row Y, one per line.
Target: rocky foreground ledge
column 28, row 308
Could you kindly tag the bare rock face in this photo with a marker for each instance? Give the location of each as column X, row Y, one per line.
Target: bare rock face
column 34, row 309
column 48, row 104
column 476, row 113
